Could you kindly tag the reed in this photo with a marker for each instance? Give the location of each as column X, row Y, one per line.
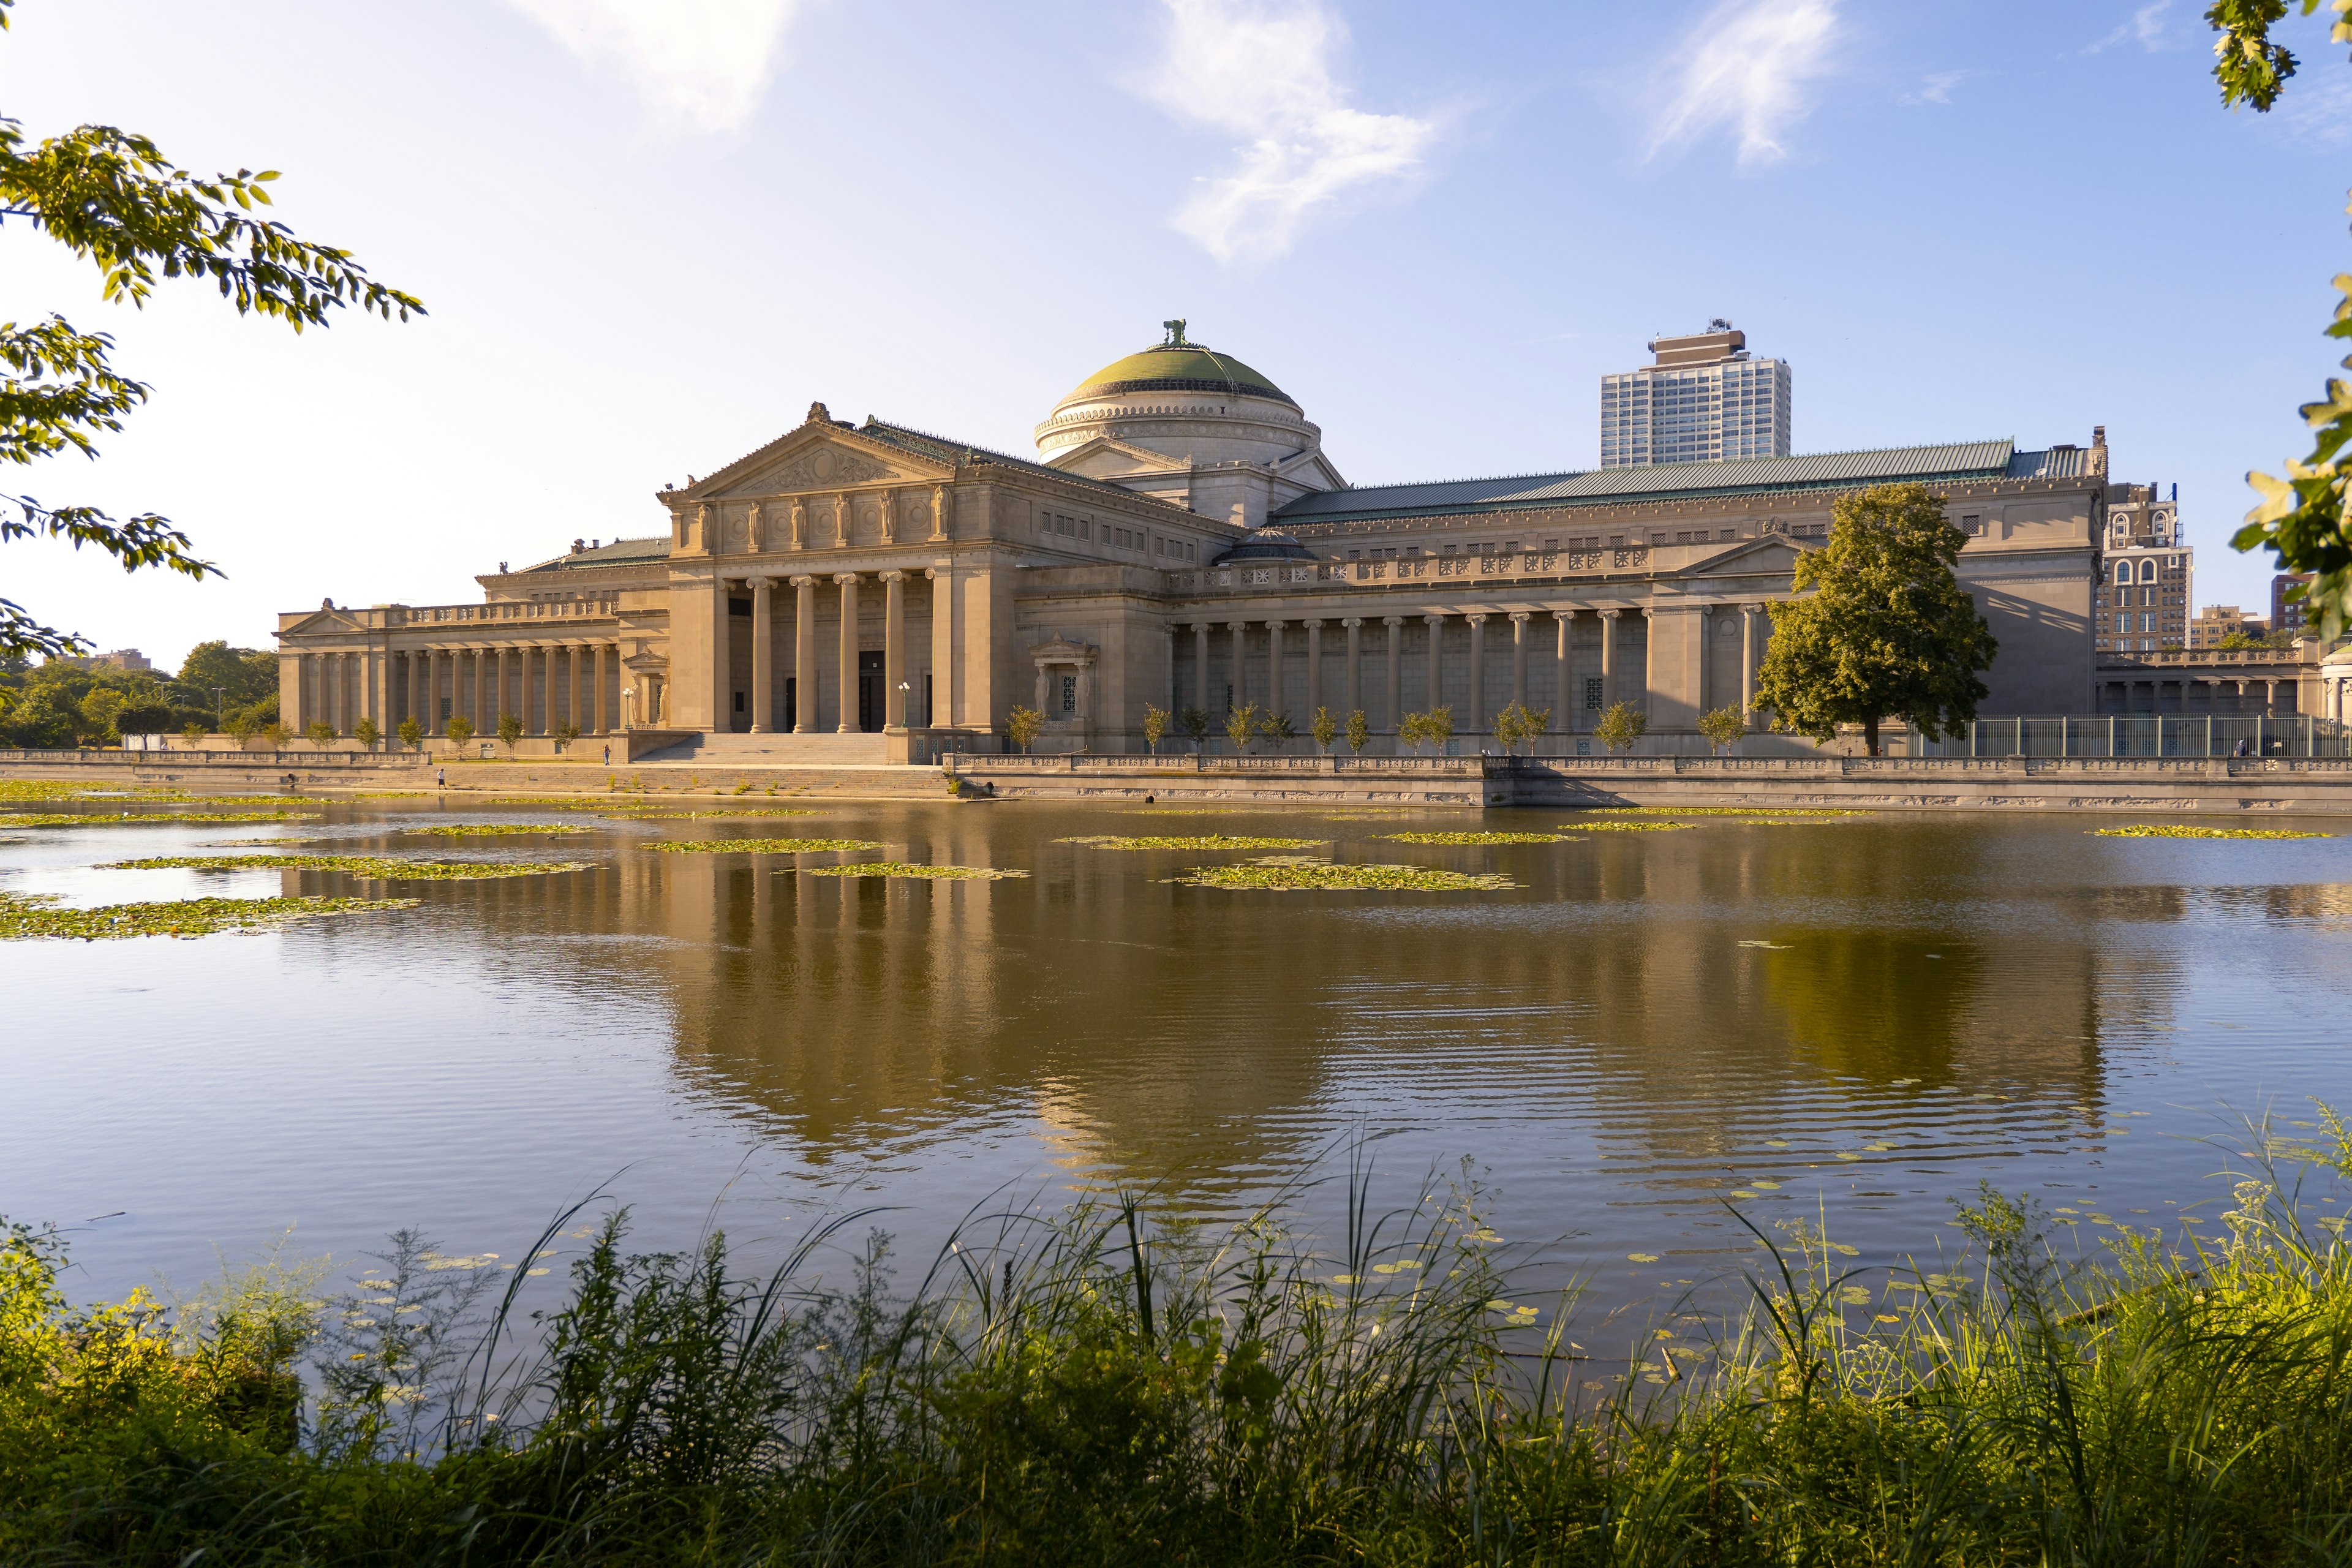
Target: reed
column 1105, row 1385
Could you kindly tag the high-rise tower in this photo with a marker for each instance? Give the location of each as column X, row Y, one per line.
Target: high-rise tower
column 1703, row 401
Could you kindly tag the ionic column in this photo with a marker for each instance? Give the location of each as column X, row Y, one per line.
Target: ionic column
column 1519, row 657
column 1477, row 672
column 1240, row 672
column 1273, row 666
column 431, row 717
column 722, row 652
column 1395, row 625
column 1201, row 665
column 499, row 701
column 1705, row 655
column 803, row 655
column 1748, row 613
column 1649, row 655
column 1314, row 667
column 546, row 691
column 575, row 667
column 847, row 581
column 1563, row 623
column 763, row 658
column 943, row 646
column 596, row 684
column 894, row 649
column 481, row 685
column 1355, row 624
column 1608, row 657
column 1435, row 621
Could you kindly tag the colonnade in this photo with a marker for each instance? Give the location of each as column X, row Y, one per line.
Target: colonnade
column 2243, row 695
column 571, row 681
column 849, row 634
column 1526, row 637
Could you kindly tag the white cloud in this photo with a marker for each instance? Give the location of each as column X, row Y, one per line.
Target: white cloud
column 1261, row 69
column 1936, row 88
column 2145, row 28
column 1747, row 66
column 698, row 64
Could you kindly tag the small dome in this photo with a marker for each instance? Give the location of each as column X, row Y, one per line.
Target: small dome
column 1179, row 367
column 1265, row 546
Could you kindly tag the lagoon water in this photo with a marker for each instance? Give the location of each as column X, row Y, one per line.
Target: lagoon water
column 1855, row 1018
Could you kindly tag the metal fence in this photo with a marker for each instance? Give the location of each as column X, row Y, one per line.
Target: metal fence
column 2147, row 736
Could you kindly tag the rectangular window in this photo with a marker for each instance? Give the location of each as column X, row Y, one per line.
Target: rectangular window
column 1972, row 524
column 1086, row 529
column 1592, row 694
column 1355, row 555
column 1683, row 537
column 1510, row 547
column 1551, row 546
column 1070, row 694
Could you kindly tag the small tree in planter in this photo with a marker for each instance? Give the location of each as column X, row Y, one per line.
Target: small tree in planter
column 1520, row 722
column 1358, row 732
column 1023, row 726
column 565, row 733
column 510, row 729
column 241, row 727
column 1240, row 725
column 277, row 732
column 1438, row 725
column 367, row 734
column 1277, row 728
column 1326, row 729
column 321, row 734
column 1412, row 730
column 1155, row 725
column 411, row 732
column 1622, row 726
column 1723, row 727
column 459, row 730
column 192, row 732
column 1195, row 722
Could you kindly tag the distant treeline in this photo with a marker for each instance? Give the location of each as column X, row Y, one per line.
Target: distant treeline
column 219, row 688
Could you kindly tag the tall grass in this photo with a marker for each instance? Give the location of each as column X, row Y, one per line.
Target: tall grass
column 1107, row 1386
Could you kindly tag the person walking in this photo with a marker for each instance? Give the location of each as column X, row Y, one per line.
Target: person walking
column 441, row 778
column 608, row 754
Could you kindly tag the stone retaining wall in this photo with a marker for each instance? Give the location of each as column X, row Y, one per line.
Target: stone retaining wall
column 344, row 772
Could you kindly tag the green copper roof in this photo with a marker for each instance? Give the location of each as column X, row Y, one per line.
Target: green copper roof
column 1180, row 367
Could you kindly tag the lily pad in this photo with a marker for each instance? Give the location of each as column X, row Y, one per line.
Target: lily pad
column 1288, row 876
column 1481, row 837
column 1208, row 841
column 24, row 918
column 764, row 846
column 376, row 868
column 2152, row 830
column 909, row 869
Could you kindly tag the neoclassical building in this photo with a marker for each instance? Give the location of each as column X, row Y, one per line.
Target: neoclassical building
column 1179, row 539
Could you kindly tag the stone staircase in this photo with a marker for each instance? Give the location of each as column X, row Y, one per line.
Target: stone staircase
column 778, row 750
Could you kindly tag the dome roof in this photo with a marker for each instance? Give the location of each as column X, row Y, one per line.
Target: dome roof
column 1179, row 367
column 1266, row 545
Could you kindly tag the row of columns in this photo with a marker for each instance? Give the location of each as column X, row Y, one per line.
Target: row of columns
column 804, row 691
column 341, row 688
column 1521, row 622
column 2239, row 693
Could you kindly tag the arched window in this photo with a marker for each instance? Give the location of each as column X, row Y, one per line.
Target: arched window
column 2123, row 574
column 2147, row 570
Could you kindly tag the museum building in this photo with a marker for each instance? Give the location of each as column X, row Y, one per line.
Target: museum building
column 874, row 591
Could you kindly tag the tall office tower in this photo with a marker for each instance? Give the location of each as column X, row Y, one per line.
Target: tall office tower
column 1703, row 401
column 2147, row 572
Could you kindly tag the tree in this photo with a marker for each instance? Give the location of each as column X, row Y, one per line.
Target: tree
column 367, row 732
column 111, row 198
column 510, row 729
column 459, row 730
column 191, row 733
column 1241, row 723
column 277, row 732
column 1887, row 631
column 1326, row 729
column 321, row 734
column 1723, row 727
column 565, row 733
column 1520, row 722
column 1023, row 726
column 1358, row 732
column 99, row 711
column 1621, row 726
column 1155, row 724
column 411, row 732
column 1195, row 722
column 1438, row 724
column 1277, row 728
column 218, row 675
column 239, row 726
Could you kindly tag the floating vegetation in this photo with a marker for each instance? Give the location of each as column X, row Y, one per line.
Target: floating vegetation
column 24, row 917
column 1628, row 827
column 82, row 789
column 628, row 815
column 764, row 846
column 2150, row 830
column 909, row 868
column 1731, row 810
column 1481, row 837
column 135, row 819
column 376, row 868
column 1210, row 841
column 499, row 829
column 1295, row 874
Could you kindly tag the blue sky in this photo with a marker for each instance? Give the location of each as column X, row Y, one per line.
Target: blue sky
column 651, row 232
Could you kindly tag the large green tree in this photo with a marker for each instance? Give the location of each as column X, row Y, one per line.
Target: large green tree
column 113, row 199
column 1886, row 630
column 2304, row 518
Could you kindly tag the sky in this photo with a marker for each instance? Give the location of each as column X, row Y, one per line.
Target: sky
column 649, row 233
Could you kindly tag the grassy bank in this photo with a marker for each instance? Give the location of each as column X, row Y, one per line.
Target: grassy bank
column 1099, row 1388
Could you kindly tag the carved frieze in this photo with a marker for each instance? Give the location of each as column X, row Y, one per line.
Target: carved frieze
column 825, row 466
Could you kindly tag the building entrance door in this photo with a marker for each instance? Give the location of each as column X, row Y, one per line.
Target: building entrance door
column 872, row 706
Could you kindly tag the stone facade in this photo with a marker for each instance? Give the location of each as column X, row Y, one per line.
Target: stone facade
column 1181, row 543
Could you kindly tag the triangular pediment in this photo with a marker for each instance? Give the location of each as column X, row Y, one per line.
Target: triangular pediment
column 1772, row 553
column 816, row 457
column 320, row 623
column 1313, row 469
column 1105, row 458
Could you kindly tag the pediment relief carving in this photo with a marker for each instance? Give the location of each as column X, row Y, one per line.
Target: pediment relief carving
column 823, row 467
column 1767, row 554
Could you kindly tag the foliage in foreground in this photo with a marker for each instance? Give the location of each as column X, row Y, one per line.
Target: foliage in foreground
column 1093, row 1387
column 916, row 870
column 764, row 846
column 373, row 867
column 27, row 916
column 2154, row 830
column 1205, row 841
column 1470, row 838
column 1293, row 874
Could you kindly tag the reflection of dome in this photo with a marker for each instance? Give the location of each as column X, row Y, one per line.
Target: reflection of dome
column 1191, row 425
column 1265, row 545
column 1173, row 367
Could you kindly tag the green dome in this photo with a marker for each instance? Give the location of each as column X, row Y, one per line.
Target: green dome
column 1179, row 367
